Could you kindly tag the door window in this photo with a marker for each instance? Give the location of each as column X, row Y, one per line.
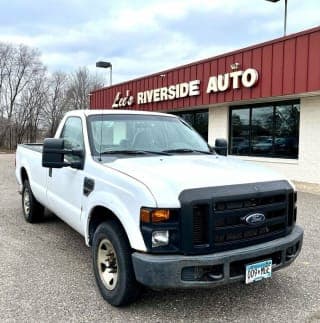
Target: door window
column 73, row 137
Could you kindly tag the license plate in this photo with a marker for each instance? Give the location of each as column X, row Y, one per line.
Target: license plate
column 258, row 271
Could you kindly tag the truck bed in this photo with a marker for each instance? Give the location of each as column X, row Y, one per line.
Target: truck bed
column 35, row 147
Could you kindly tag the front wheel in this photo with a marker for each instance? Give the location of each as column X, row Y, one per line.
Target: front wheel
column 33, row 211
column 112, row 265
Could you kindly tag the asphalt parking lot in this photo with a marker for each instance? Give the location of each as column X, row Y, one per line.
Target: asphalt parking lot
column 46, row 276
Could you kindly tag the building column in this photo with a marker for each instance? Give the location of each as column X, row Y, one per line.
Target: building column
column 309, row 141
column 218, row 123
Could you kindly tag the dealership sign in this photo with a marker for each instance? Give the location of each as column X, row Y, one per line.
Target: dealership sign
column 220, row 83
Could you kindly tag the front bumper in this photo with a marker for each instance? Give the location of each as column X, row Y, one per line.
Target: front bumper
column 169, row 271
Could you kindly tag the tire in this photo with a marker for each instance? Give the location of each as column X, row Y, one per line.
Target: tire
column 112, row 265
column 33, row 211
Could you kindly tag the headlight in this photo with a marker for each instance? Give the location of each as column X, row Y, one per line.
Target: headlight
column 160, row 229
column 160, row 238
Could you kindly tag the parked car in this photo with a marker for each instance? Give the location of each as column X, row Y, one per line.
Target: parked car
column 262, row 145
column 240, row 146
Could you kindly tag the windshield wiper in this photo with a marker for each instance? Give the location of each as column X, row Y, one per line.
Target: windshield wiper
column 187, row 150
column 134, row 152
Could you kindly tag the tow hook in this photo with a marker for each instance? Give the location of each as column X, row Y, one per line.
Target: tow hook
column 212, row 276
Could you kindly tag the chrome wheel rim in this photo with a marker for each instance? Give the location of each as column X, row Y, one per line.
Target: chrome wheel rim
column 26, row 201
column 108, row 264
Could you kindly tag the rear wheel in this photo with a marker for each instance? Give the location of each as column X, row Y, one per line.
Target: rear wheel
column 33, row 211
column 112, row 265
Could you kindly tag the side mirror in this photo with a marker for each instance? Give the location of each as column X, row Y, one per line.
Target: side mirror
column 221, row 147
column 53, row 154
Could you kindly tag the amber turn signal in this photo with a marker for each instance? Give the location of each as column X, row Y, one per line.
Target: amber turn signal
column 145, row 216
column 154, row 216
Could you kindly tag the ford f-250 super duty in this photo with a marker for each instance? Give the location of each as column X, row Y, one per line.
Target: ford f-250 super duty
column 157, row 205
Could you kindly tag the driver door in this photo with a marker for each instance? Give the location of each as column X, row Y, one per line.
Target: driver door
column 65, row 184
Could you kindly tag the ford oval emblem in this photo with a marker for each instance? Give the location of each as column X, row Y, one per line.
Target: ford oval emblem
column 255, row 219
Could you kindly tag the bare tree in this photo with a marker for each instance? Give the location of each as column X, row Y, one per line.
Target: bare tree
column 4, row 54
column 30, row 108
column 81, row 83
column 5, row 50
column 67, row 92
column 33, row 102
column 21, row 65
column 56, row 104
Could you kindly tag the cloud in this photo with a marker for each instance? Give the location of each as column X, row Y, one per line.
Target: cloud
column 141, row 37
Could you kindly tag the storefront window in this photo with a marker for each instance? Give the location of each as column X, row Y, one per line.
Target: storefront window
column 269, row 130
column 261, row 131
column 198, row 120
column 239, row 140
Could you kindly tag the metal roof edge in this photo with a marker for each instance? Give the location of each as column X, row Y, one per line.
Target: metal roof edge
column 202, row 61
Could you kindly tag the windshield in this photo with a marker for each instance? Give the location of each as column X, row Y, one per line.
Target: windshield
column 142, row 133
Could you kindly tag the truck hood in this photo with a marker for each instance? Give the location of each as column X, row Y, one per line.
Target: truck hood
column 167, row 176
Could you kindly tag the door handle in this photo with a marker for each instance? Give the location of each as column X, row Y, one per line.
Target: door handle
column 88, row 186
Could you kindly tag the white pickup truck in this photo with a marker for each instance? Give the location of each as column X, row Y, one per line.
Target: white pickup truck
column 157, row 205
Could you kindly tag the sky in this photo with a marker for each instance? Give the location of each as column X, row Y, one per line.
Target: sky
column 141, row 37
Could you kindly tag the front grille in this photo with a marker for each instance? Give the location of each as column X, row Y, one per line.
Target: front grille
column 214, row 218
column 231, row 229
column 249, row 202
column 200, row 224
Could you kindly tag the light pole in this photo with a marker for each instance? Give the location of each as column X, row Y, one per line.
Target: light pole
column 103, row 64
column 285, row 14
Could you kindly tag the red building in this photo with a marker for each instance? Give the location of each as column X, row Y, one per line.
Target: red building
column 264, row 98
